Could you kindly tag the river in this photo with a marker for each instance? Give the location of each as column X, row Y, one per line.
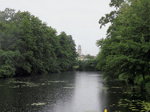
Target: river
column 64, row 92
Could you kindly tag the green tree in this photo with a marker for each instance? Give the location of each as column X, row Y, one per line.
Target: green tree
column 32, row 47
column 67, row 52
column 125, row 51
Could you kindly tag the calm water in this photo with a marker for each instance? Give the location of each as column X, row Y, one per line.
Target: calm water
column 65, row 92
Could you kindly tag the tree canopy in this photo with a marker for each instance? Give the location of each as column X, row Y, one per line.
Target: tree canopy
column 28, row 46
column 125, row 52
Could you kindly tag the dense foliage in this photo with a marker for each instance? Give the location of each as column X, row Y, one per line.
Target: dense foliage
column 87, row 64
column 125, row 52
column 28, row 46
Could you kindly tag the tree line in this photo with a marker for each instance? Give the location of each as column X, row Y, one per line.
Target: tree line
column 125, row 52
column 87, row 64
column 29, row 46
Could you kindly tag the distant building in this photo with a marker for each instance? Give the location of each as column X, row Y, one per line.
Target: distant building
column 79, row 50
column 81, row 56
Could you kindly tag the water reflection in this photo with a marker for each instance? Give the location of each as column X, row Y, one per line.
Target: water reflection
column 65, row 92
column 87, row 93
column 85, row 96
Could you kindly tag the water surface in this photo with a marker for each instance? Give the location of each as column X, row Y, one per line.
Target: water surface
column 64, row 92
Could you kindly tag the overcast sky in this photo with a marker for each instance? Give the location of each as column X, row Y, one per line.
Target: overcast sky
column 78, row 18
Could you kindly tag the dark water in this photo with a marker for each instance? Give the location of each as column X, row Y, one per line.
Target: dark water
column 65, row 92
